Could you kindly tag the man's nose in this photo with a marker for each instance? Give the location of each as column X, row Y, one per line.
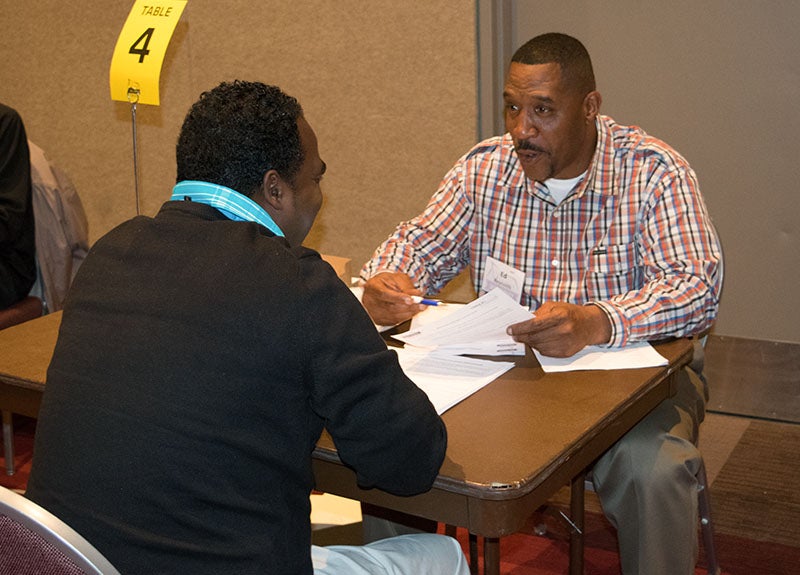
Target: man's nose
column 523, row 127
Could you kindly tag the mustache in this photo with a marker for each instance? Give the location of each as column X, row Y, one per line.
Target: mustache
column 524, row 145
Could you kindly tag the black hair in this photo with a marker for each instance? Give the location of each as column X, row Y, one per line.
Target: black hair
column 567, row 52
column 237, row 132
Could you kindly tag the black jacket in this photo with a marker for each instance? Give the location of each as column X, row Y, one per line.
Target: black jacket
column 197, row 363
column 17, row 238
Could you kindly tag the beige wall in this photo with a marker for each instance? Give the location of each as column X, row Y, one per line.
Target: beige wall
column 388, row 86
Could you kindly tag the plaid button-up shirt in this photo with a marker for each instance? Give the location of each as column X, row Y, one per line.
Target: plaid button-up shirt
column 632, row 237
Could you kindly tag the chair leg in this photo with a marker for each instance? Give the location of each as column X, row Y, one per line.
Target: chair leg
column 706, row 524
column 576, row 511
column 581, row 483
column 473, row 554
column 8, row 441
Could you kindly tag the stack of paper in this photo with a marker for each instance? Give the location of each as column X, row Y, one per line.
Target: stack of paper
column 441, row 335
column 448, row 379
column 478, row 328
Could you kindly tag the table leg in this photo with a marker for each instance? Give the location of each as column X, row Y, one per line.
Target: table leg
column 576, row 510
column 8, row 441
column 491, row 556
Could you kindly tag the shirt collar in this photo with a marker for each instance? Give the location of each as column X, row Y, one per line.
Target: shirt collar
column 600, row 177
column 232, row 204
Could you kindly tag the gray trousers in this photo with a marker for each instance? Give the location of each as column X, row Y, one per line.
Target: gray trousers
column 647, row 486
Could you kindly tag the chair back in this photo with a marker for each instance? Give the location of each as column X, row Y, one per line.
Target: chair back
column 34, row 541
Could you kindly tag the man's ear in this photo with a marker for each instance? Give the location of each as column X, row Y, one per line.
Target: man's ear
column 272, row 190
column 591, row 105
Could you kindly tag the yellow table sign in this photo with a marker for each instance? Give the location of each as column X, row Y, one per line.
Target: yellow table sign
column 140, row 50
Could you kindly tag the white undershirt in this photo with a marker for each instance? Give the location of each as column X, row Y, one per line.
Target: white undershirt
column 560, row 189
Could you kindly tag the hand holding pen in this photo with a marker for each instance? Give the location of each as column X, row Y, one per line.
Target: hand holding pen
column 389, row 298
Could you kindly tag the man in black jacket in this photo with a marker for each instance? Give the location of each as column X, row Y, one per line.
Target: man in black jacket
column 202, row 351
column 17, row 242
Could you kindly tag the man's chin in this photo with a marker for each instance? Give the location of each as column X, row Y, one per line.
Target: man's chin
column 537, row 173
column 536, row 168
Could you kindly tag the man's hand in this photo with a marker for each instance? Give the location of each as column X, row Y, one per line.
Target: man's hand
column 563, row 329
column 387, row 298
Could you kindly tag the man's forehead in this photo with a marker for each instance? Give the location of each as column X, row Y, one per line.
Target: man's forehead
column 308, row 139
column 539, row 81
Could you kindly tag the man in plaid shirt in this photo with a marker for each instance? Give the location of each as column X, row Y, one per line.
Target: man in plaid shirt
column 601, row 230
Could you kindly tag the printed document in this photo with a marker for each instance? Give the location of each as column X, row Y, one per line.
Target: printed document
column 448, row 379
column 477, row 328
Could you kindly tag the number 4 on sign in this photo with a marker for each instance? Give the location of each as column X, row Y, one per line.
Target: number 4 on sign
column 141, row 47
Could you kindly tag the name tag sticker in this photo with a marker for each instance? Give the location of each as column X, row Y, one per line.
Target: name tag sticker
column 499, row 275
column 141, row 47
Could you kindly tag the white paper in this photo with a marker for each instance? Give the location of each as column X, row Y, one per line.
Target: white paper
column 435, row 313
column 477, row 328
column 634, row 355
column 448, row 379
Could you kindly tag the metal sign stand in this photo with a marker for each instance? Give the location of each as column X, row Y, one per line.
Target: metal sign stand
column 133, row 98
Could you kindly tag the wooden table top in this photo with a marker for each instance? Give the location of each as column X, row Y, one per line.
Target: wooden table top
column 26, row 350
column 510, row 436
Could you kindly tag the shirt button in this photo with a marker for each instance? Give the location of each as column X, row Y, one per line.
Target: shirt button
column 555, row 263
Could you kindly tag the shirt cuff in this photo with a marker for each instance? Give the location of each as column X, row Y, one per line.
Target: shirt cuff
column 616, row 319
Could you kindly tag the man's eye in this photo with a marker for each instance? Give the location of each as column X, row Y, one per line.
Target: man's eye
column 542, row 110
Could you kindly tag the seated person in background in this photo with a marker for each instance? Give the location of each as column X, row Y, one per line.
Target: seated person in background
column 62, row 231
column 17, row 242
column 200, row 355
column 605, row 232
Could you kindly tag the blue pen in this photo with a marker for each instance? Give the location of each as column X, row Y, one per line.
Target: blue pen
column 426, row 301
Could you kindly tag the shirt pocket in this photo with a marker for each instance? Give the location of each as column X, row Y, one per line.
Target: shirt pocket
column 612, row 271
